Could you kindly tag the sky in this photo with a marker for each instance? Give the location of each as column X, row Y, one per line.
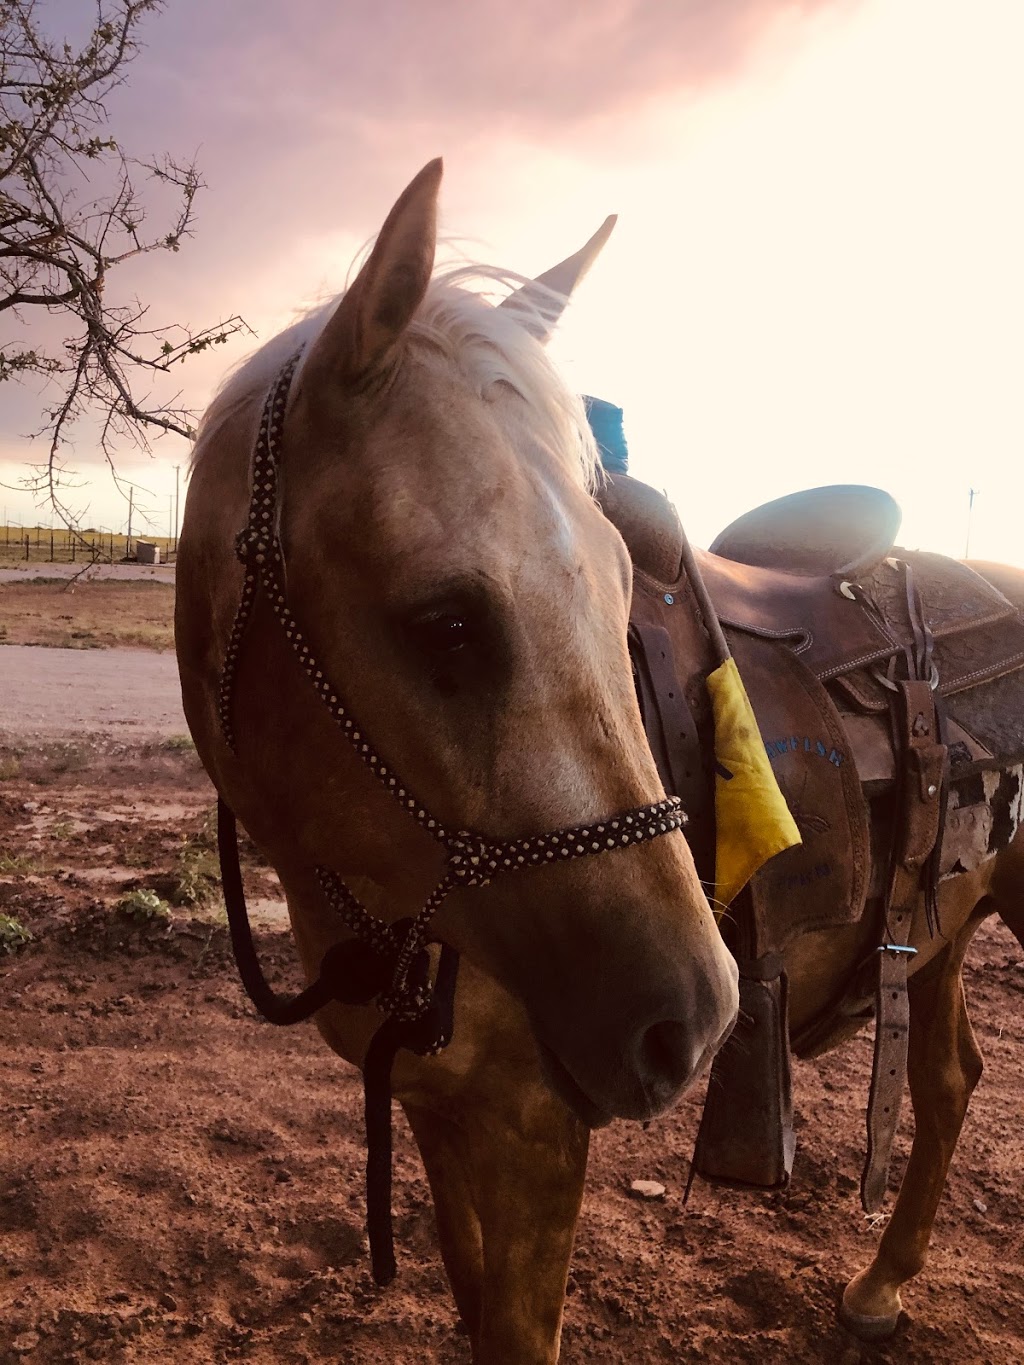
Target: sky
column 816, row 276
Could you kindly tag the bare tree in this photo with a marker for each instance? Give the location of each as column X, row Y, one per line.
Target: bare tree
column 73, row 206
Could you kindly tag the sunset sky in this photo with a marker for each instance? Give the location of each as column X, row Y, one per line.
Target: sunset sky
column 817, row 273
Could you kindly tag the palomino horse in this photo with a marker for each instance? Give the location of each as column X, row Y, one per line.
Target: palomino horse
column 422, row 495
column 441, row 550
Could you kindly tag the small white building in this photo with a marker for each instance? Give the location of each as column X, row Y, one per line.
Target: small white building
column 146, row 552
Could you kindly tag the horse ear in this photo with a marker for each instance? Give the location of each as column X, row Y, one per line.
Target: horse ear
column 541, row 303
column 380, row 304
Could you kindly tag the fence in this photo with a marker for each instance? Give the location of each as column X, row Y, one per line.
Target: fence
column 46, row 545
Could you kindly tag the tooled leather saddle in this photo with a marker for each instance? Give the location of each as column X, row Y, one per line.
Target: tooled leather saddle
column 888, row 688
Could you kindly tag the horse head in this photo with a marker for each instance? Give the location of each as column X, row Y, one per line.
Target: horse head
column 462, row 590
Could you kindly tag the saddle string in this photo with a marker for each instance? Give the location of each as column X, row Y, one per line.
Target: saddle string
column 384, row 963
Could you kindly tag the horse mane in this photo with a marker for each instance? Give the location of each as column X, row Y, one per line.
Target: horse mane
column 489, row 346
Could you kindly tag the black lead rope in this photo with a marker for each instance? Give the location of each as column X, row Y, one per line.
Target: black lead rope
column 351, row 973
column 419, row 1036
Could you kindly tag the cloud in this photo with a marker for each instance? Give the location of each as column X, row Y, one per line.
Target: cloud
column 308, row 117
column 527, row 64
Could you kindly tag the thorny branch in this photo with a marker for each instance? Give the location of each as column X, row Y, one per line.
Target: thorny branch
column 73, row 206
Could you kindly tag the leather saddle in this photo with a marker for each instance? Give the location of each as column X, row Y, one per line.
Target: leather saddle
column 844, row 643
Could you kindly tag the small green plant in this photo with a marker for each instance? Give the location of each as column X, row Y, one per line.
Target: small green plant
column 61, row 829
column 143, row 905
column 196, row 874
column 13, row 934
column 14, row 862
column 180, row 743
column 10, row 767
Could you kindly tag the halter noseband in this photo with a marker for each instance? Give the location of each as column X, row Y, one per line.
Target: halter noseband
column 385, row 963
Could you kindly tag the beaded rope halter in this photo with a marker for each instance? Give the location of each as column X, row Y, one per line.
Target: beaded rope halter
column 384, row 963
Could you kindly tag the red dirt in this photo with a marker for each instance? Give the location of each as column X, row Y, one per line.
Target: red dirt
column 181, row 1182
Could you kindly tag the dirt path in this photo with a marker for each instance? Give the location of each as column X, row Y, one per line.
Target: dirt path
column 60, row 693
column 21, row 573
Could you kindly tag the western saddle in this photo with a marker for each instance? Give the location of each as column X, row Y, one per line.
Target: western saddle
column 886, row 684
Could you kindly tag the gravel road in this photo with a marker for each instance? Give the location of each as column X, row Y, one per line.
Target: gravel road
column 59, row 693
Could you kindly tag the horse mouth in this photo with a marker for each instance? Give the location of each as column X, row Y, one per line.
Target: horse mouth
column 566, row 1088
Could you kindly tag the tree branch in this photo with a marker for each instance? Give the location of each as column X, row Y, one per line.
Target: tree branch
column 60, row 242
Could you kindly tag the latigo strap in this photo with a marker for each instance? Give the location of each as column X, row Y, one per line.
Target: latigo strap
column 922, row 761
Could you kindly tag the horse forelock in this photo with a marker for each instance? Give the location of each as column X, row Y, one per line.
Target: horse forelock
column 488, row 347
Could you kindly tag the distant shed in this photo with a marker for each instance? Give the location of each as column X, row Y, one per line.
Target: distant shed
column 146, row 552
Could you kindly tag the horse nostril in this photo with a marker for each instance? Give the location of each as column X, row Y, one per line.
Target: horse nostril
column 666, row 1058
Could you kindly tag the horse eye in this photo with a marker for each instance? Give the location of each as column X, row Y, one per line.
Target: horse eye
column 444, row 633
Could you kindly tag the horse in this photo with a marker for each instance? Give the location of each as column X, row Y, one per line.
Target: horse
column 443, row 549
column 414, row 543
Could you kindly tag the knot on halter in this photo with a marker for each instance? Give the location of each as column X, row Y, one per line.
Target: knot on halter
column 410, row 1001
column 358, row 972
column 470, row 861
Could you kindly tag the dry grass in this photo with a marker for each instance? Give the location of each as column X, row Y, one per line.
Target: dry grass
column 94, row 615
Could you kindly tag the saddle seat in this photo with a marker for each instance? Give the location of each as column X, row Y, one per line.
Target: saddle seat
column 844, row 528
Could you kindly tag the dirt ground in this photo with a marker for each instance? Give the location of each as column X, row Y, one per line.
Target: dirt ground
column 182, row 1182
column 87, row 613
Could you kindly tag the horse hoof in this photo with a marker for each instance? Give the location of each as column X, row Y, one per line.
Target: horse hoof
column 866, row 1326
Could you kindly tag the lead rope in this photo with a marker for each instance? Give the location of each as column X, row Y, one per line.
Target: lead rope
column 386, row 964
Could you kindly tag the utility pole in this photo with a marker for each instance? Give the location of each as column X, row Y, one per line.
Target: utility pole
column 973, row 493
column 177, row 470
column 131, row 508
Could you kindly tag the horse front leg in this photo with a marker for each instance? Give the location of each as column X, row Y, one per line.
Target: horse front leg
column 507, row 1191
column 943, row 1066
